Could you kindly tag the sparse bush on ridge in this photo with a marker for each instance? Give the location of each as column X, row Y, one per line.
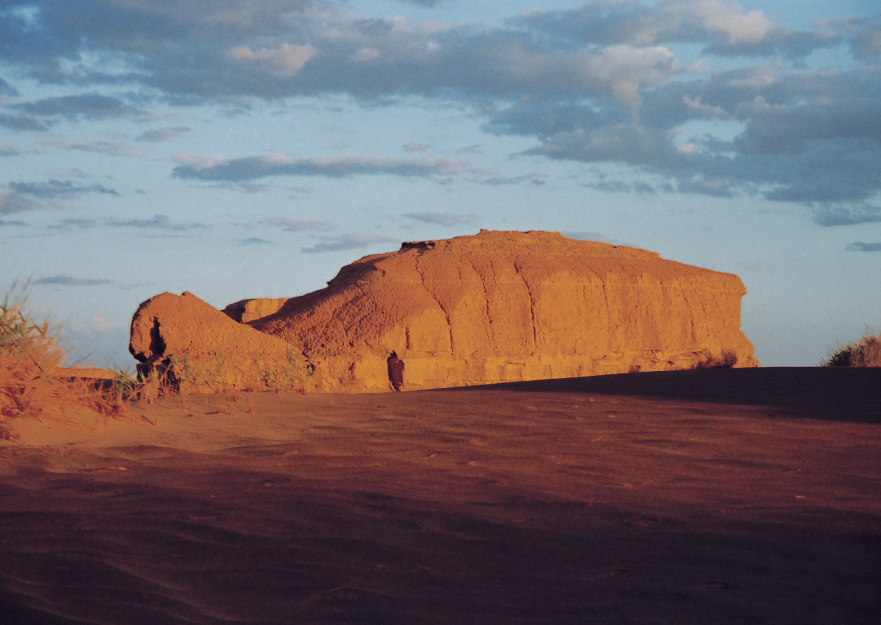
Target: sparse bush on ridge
column 32, row 382
column 864, row 353
column 726, row 361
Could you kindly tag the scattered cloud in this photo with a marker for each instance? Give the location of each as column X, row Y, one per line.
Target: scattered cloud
column 11, row 222
column 256, row 167
column 585, row 236
column 442, row 219
column 285, row 60
column 858, row 246
column 425, row 3
column 89, row 106
column 7, row 149
column 253, row 241
column 599, row 83
column 57, row 189
column 846, row 216
column 69, row 280
column 158, row 222
column 7, row 90
column 722, row 28
column 22, row 123
column 296, row 225
column 494, row 178
column 159, row 135
column 619, row 186
column 113, row 148
column 346, row 242
column 99, row 323
column 79, row 223
column 15, row 203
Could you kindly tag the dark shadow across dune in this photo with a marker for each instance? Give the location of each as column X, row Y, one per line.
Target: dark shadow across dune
column 839, row 394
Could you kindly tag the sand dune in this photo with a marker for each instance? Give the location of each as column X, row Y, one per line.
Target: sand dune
column 716, row 496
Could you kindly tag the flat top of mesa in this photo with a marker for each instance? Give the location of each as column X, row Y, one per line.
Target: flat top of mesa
column 506, row 241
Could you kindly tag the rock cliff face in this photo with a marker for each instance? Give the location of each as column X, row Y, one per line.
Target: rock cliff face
column 506, row 306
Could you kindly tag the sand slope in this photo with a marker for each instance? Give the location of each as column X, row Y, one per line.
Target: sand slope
column 686, row 497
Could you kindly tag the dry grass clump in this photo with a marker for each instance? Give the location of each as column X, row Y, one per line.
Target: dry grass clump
column 215, row 373
column 864, row 353
column 31, row 381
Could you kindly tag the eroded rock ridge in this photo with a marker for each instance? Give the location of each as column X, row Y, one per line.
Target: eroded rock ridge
column 494, row 307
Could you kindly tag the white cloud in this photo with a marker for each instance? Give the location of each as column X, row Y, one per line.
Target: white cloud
column 728, row 20
column 705, row 110
column 287, row 59
column 100, row 323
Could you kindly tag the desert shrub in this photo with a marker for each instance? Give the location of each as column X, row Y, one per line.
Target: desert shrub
column 725, row 361
column 864, row 353
column 29, row 355
column 31, row 382
column 215, row 373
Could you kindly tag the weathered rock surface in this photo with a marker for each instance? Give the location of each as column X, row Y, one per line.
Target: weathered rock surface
column 200, row 348
column 247, row 310
column 507, row 306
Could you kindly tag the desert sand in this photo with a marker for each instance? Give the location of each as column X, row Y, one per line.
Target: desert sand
column 705, row 496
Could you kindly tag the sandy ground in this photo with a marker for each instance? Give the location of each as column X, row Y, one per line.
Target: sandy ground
column 717, row 496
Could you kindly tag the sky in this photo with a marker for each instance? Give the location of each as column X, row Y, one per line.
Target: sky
column 240, row 148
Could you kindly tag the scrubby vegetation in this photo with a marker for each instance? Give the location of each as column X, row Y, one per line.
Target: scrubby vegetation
column 727, row 360
column 864, row 353
column 32, row 382
column 215, row 373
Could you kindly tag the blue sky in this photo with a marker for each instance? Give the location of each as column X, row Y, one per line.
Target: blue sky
column 239, row 149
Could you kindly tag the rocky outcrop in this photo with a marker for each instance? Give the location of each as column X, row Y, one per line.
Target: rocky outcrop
column 191, row 345
column 247, row 310
column 506, row 306
column 495, row 307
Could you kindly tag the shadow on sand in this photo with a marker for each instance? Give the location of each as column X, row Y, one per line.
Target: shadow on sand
column 838, row 394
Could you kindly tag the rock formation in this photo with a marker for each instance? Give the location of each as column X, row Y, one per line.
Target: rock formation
column 495, row 307
column 247, row 310
column 506, row 306
column 194, row 346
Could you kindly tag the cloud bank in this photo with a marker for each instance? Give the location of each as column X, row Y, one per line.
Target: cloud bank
column 608, row 82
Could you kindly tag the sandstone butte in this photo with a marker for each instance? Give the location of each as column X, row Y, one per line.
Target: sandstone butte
column 495, row 307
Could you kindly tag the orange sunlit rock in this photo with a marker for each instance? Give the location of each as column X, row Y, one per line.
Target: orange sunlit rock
column 205, row 349
column 507, row 306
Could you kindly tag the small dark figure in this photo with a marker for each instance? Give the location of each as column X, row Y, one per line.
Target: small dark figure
column 395, row 371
